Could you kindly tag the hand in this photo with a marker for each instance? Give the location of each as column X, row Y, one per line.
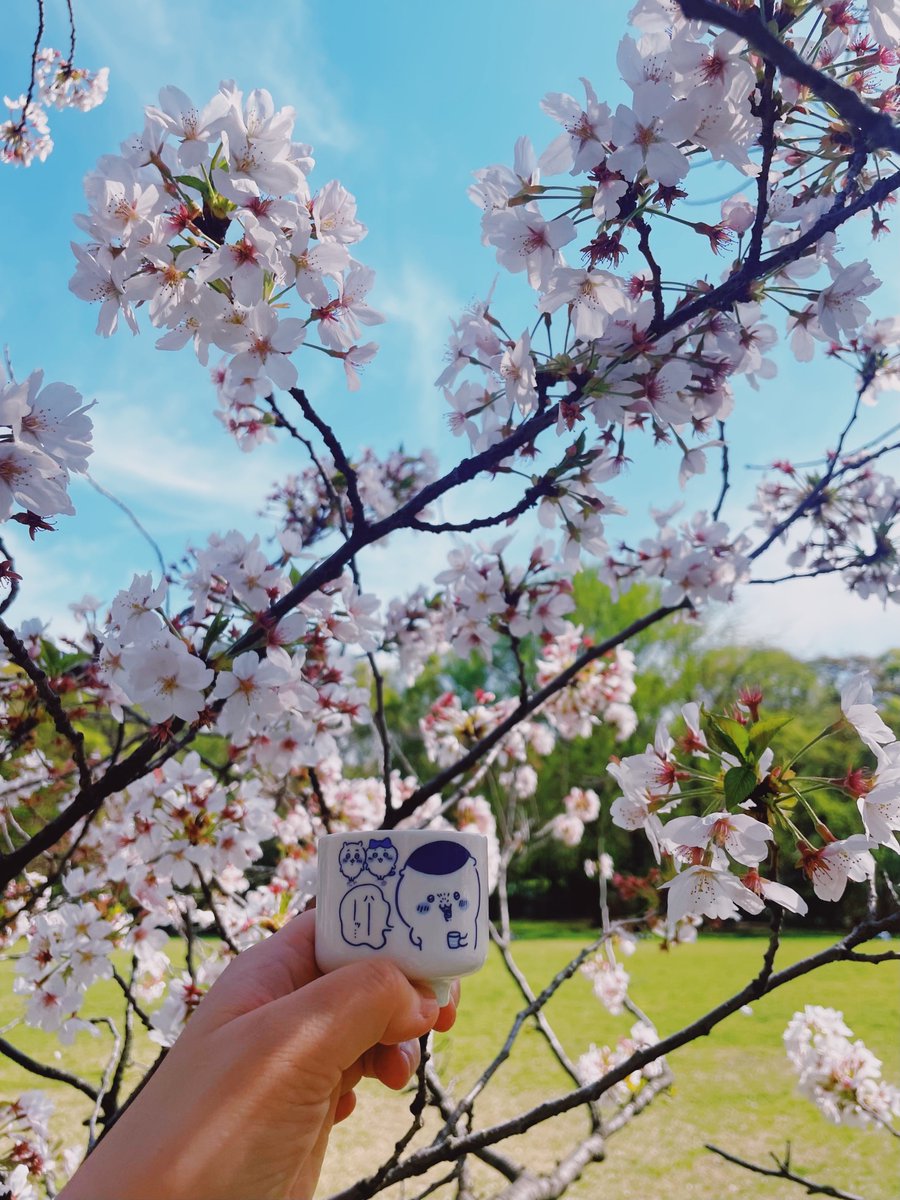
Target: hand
column 242, row 1105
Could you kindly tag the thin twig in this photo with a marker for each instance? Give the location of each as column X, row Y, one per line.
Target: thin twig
column 764, row 982
column 71, row 32
column 21, row 1059
column 472, row 756
column 812, row 497
column 659, row 310
column 877, row 128
column 783, row 1171
column 52, row 702
column 534, row 1006
column 337, row 453
column 723, row 491
column 540, row 1020
column 109, row 1072
column 216, row 915
column 132, row 517
column 11, row 580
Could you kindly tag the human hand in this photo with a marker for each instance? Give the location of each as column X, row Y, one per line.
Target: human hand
column 242, row 1105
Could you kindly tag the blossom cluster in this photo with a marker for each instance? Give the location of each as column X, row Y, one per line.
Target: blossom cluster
column 848, row 526
column 45, row 436
column 57, row 83
column 601, row 691
column 715, row 861
column 598, row 1061
column 842, row 1077
column 697, row 562
column 620, row 362
column 28, row 1158
column 207, row 220
column 315, row 501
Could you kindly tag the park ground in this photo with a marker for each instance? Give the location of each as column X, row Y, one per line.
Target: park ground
column 734, row 1088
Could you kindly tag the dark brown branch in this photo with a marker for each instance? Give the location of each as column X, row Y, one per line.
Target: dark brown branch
column 337, row 453
column 21, row 1059
column 11, row 580
column 530, row 497
column 783, row 1171
column 216, row 916
column 812, row 497
column 534, row 1006
column 659, row 310
column 737, row 287
column 52, row 702
column 761, row 985
column 71, row 32
column 723, row 492
column 324, row 810
column 768, row 115
column 498, row 1162
column 368, row 1187
column 877, row 128
column 34, row 55
column 477, row 752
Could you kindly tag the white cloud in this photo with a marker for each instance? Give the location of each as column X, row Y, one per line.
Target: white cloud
column 809, row 617
column 281, row 54
column 423, row 306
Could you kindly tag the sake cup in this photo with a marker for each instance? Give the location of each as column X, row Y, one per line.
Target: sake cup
column 417, row 896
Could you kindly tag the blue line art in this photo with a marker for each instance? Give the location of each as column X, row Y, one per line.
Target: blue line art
column 365, row 916
column 381, row 857
column 439, row 896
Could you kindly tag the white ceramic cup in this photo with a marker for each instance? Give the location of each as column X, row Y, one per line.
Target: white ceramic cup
column 417, row 896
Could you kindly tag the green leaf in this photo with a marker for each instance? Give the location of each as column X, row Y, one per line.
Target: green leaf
column 192, row 181
column 739, row 783
column 763, row 731
column 730, row 736
column 220, row 621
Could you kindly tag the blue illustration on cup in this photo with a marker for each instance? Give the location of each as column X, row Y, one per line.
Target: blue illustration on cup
column 381, row 857
column 352, row 860
column 365, row 917
column 439, row 896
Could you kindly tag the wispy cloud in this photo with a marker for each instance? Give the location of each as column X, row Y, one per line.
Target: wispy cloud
column 284, row 55
column 811, row 617
column 422, row 305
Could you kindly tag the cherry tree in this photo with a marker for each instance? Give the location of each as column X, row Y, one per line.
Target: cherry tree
column 169, row 770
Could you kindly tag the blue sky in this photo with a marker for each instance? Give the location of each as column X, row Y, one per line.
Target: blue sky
column 401, row 103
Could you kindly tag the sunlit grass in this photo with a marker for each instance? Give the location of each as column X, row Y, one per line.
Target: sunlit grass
column 734, row 1088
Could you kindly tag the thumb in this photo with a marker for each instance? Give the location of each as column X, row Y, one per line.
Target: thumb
column 335, row 1019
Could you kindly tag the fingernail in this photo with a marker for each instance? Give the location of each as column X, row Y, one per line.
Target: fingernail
column 428, row 1004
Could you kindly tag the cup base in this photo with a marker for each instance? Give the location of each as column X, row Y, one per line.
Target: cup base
column 441, row 989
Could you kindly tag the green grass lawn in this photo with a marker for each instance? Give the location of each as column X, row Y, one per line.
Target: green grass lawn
column 734, row 1088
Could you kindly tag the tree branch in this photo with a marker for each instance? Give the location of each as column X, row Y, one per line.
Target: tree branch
column 21, row 1059
column 474, row 755
column 783, row 1171
column 530, row 497
column 761, row 985
column 52, row 702
column 877, row 128
column 337, row 453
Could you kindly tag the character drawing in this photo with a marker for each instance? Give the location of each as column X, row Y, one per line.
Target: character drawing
column 352, row 860
column 381, row 858
column 365, row 916
column 439, row 896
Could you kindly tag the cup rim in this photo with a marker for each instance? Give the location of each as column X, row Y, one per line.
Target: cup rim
column 434, row 834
